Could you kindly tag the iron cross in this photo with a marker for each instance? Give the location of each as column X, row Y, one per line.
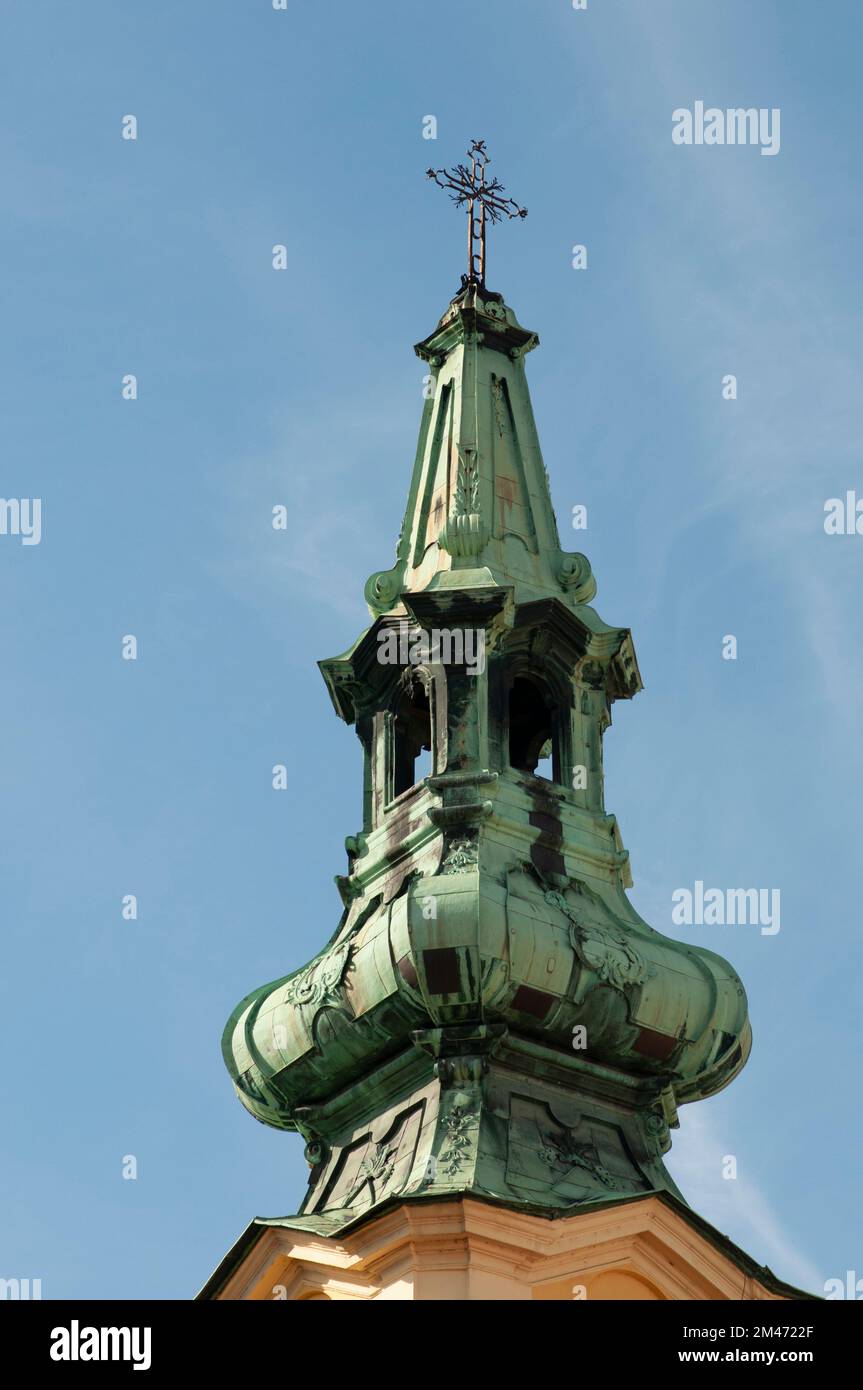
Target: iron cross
column 484, row 199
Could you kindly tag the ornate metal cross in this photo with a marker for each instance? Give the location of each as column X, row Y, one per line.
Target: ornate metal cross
column 484, row 199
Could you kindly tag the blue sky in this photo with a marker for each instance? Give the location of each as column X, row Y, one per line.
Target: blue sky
column 300, row 387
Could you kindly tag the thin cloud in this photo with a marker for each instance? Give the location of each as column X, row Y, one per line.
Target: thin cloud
column 735, row 1206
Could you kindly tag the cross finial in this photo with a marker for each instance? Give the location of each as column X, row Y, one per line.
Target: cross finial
column 484, row 198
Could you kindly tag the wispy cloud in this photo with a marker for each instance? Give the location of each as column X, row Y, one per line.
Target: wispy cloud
column 736, row 1206
column 325, row 467
column 793, row 438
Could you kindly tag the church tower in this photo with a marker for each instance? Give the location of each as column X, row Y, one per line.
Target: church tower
column 486, row 1060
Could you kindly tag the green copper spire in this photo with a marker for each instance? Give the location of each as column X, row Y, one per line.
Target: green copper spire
column 479, row 500
column 491, row 1015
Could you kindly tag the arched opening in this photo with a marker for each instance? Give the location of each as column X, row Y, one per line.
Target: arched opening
column 412, row 739
column 532, row 733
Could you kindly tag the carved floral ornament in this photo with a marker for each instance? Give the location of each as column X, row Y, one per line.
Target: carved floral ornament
column 465, row 532
column 563, row 1147
column 375, row 1170
column 320, row 979
column 325, row 976
column 604, row 948
column 461, row 856
column 378, row 1166
column 458, row 1124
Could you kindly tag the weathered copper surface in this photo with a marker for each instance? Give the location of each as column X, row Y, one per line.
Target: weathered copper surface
column 491, row 1015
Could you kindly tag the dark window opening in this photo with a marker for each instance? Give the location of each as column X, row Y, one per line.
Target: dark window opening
column 412, row 760
column 531, row 730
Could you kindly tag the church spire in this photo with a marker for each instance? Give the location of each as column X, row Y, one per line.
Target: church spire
column 479, row 498
column 491, row 1016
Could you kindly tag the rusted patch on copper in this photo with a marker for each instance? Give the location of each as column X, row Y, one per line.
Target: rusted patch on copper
column 441, row 970
column 546, row 851
column 658, row 1046
column 533, row 1001
column 407, row 970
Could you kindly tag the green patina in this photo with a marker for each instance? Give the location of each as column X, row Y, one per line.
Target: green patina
column 491, row 1015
